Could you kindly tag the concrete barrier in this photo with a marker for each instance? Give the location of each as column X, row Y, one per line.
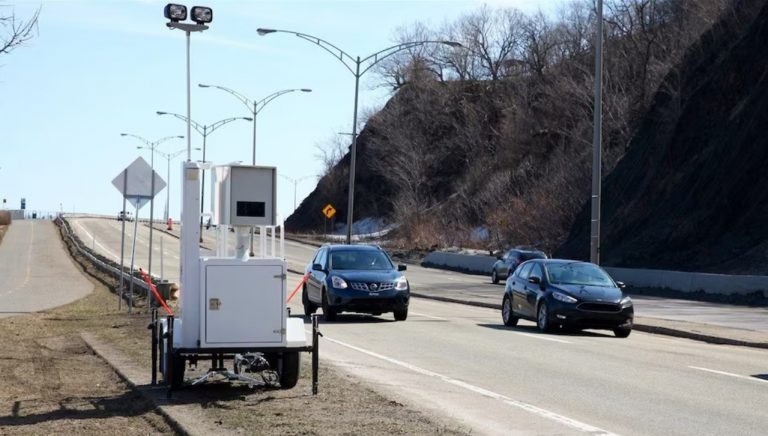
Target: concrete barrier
column 459, row 262
column 691, row 282
column 720, row 284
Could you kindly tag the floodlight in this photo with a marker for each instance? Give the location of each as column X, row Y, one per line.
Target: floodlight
column 202, row 14
column 175, row 12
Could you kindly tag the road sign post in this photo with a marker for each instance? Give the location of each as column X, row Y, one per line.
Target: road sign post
column 328, row 212
column 138, row 183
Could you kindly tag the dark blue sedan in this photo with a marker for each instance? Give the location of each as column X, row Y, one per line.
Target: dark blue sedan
column 355, row 278
column 559, row 293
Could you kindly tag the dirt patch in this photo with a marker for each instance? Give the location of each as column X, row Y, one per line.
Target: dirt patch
column 53, row 383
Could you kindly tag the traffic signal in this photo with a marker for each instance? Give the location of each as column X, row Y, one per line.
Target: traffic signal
column 23, row 203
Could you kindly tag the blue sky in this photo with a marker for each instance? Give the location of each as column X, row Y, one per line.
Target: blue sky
column 100, row 68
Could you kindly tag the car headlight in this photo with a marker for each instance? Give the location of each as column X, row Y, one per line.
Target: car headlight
column 338, row 282
column 626, row 302
column 559, row 296
column 401, row 284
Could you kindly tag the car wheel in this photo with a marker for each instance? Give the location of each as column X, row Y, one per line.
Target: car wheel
column 329, row 314
column 622, row 332
column 401, row 314
column 508, row 313
column 542, row 318
column 494, row 277
column 309, row 307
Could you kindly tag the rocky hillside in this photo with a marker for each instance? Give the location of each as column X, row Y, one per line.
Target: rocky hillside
column 690, row 193
column 491, row 152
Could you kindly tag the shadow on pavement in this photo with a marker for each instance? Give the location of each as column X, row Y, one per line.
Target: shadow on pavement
column 535, row 331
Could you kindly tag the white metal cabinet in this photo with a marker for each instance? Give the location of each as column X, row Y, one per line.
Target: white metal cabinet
column 243, row 303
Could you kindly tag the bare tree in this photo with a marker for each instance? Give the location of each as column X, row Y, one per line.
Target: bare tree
column 15, row 32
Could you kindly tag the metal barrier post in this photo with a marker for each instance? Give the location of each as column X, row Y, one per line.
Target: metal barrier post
column 153, row 327
column 315, row 352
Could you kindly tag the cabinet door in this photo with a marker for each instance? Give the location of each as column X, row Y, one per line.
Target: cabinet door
column 243, row 304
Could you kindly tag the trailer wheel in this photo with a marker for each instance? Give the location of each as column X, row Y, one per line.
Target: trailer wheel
column 178, row 364
column 289, row 372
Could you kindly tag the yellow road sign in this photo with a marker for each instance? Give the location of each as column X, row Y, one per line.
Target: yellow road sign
column 329, row 211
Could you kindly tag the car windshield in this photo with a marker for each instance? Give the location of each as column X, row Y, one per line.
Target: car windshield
column 578, row 274
column 360, row 260
column 532, row 255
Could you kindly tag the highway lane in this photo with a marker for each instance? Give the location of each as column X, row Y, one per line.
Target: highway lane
column 36, row 272
column 459, row 362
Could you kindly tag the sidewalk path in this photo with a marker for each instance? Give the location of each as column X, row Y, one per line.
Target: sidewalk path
column 36, row 272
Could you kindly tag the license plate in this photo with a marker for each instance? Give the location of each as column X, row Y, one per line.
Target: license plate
column 373, row 294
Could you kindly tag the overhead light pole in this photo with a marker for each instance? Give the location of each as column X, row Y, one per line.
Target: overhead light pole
column 204, row 131
column 168, row 157
column 594, row 231
column 151, row 145
column 254, row 106
column 358, row 67
column 295, row 185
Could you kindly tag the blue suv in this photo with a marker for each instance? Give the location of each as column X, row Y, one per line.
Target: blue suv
column 355, row 278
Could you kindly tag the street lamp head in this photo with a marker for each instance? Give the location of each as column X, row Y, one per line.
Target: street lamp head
column 179, row 136
column 453, row 44
column 202, row 14
column 203, row 86
column 263, row 32
column 123, row 134
column 247, row 118
column 175, row 12
column 305, row 90
column 162, row 113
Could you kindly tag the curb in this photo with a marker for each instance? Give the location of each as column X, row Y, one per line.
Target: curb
column 642, row 327
column 182, row 421
column 93, row 344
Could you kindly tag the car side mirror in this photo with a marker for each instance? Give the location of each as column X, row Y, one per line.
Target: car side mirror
column 402, row 267
column 621, row 285
column 535, row 280
column 317, row 267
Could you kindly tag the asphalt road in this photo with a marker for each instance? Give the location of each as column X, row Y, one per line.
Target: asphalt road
column 36, row 273
column 461, row 363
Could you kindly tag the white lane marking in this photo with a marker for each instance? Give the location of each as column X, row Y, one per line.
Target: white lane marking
column 744, row 377
column 90, row 237
column 542, row 337
column 428, row 316
column 543, row 413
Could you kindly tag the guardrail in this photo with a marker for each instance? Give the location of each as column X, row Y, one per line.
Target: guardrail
column 103, row 265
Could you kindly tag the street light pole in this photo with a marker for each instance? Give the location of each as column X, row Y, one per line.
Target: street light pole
column 151, row 146
column 594, row 240
column 350, row 61
column 204, row 131
column 168, row 157
column 254, row 107
column 295, row 186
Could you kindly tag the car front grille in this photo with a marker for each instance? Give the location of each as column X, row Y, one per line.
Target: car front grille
column 600, row 307
column 372, row 287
